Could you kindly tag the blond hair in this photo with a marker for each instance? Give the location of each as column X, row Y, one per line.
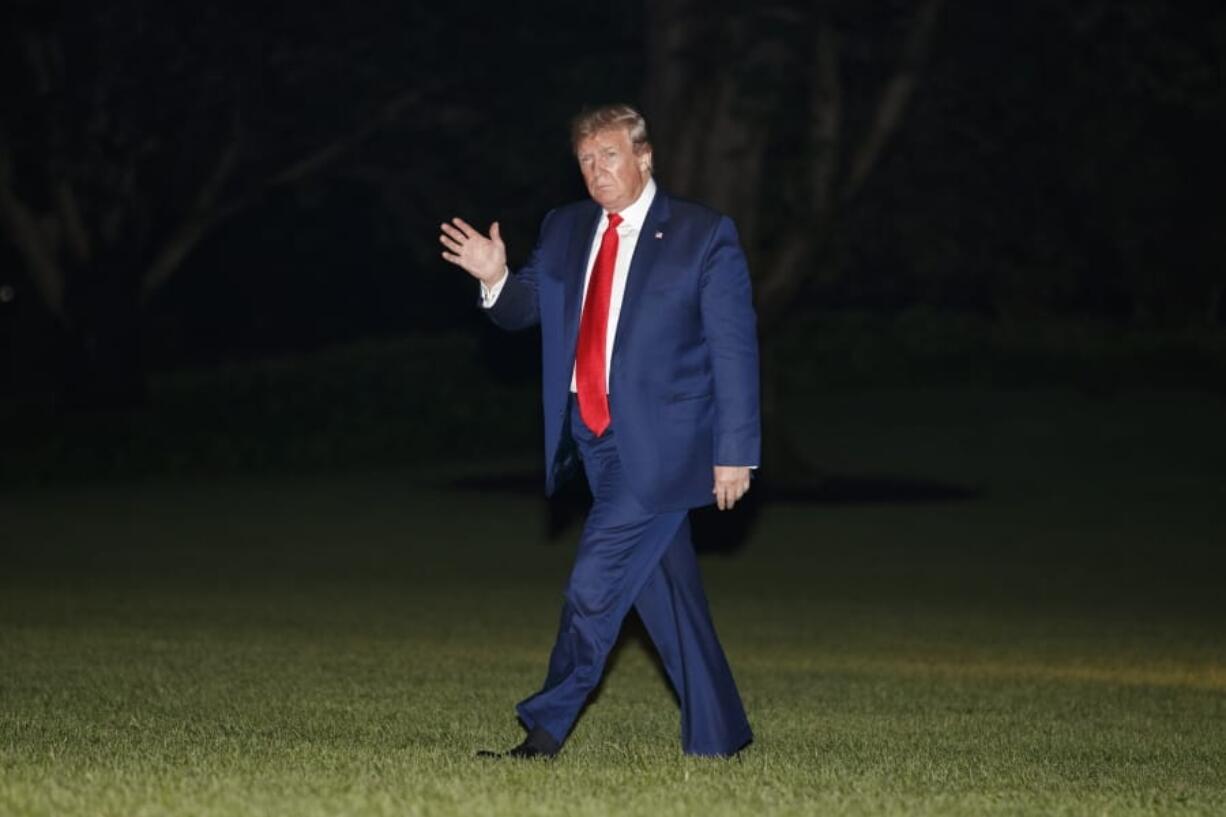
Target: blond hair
column 592, row 121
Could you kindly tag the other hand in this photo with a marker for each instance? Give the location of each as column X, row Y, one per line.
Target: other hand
column 483, row 258
column 731, row 483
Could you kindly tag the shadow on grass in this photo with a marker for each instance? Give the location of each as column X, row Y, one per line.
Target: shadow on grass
column 726, row 532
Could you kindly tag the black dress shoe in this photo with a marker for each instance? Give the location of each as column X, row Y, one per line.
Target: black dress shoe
column 538, row 743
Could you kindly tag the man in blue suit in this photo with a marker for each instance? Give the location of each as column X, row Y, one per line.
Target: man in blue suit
column 650, row 379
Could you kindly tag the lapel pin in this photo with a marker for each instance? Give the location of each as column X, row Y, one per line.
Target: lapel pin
column 659, row 235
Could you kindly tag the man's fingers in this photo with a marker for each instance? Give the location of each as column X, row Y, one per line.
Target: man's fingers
column 450, row 232
column 464, row 227
column 729, row 491
column 450, row 243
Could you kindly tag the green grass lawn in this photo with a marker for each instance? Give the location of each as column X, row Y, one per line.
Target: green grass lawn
column 335, row 645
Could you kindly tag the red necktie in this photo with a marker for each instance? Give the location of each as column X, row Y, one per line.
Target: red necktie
column 593, row 329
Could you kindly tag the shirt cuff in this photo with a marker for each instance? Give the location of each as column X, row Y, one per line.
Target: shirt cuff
column 490, row 294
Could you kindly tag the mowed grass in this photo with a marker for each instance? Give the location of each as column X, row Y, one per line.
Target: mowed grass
column 335, row 645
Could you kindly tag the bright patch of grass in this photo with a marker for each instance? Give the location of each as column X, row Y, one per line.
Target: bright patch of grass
column 342, row 645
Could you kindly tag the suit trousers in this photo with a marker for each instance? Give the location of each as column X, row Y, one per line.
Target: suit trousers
column 627, row 557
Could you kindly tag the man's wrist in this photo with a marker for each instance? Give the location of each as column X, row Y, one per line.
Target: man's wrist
column 491, row 291
column 495, row 280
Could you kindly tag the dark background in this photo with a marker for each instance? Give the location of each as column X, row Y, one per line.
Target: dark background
column 219, row 248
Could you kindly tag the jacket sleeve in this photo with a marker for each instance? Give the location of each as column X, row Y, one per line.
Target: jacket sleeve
column 517, row 306
column 730, row 327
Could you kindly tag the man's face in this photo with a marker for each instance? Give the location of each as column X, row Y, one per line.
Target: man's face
column 614, row 174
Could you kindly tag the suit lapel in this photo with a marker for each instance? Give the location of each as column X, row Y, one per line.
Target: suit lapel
column 645, row 251
column 575, row 271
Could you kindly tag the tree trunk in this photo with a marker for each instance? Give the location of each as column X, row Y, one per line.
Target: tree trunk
column 713, row 117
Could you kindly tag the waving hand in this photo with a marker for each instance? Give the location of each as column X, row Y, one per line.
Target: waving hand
column 483, row 258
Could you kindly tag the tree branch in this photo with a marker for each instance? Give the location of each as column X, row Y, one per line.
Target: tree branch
column 70, row 217
column 31, row 242
column 329, row 153
column 201, row 216
column 895, row 97
column 207, row 214
column 790, row 270
column 826, row 112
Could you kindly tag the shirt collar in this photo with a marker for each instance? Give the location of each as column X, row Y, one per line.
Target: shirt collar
column 634, row 215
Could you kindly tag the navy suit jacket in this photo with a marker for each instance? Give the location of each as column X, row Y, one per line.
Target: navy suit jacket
column 683, row 381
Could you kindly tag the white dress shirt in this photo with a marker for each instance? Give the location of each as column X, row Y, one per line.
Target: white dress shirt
column 627, row 239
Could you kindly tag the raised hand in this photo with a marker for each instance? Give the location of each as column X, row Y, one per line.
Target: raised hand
column 483, row 258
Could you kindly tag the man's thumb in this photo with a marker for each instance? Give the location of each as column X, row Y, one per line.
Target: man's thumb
column 495, row 233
